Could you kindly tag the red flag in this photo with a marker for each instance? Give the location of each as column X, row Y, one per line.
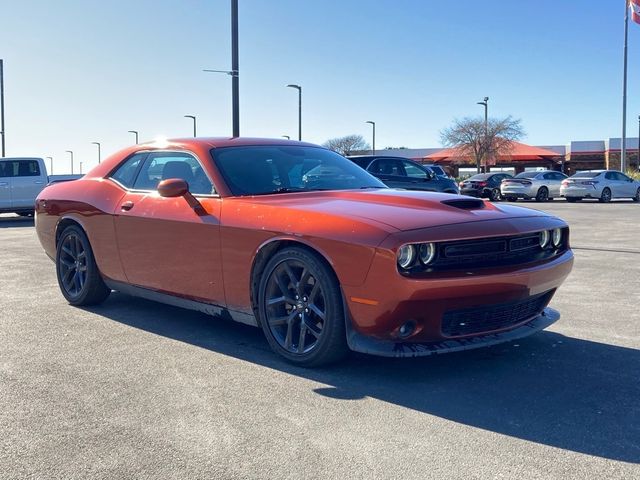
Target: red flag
column 635, row 10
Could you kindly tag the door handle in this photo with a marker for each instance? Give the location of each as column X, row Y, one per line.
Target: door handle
column 38, row 182
column 2, row 184
column 126, row 206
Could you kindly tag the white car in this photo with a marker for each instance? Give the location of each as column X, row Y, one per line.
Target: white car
column 543, row 186
column 604, row 185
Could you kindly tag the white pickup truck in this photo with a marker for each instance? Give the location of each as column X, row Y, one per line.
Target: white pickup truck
column 21, row 180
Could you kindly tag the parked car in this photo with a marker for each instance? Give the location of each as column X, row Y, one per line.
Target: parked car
column 604, row 185
column 399, row 172
column 484, row 185
column 322, row 263
column 542, row 186
column 437, row 169
column 21, row 180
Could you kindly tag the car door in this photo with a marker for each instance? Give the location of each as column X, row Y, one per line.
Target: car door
column 26, row 183
column 390, row 171
column 419, row 178
column 164, row 244
column 550, row 180
column 6, row 171
column 627, row 187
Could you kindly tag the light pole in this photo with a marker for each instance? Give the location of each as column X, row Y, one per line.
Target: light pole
column 71, row 153
column 98, row 144
column 135, row 133
column 51, row 161
column 235, row 109
column 192, row 117
column 373, row 124
column 2, row 132
column 638, row 143
column 80, row 168
column 485, row 103
column 299, row 88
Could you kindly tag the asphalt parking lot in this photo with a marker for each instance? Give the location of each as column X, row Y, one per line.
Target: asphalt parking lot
column 134, row 389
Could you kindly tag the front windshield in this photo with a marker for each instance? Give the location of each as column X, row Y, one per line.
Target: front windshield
column 260, row 170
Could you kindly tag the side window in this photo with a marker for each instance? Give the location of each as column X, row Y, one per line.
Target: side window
column 609, row 176
column 413, row 171
column 6, row 169
column 549, row 176
column 26, row 168
column 622, row 177
column 387, row 166
column 125, row 174
column 163, row 165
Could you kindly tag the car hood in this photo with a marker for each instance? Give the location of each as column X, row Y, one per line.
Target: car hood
column 402, row 210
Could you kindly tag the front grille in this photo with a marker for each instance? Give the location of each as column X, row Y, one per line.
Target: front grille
column 489, row 252
column 470, row 321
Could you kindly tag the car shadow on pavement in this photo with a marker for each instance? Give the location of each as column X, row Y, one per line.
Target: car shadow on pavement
column 13, row 222
column 550, row 389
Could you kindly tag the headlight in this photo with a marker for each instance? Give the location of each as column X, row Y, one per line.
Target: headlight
column 544, row 238
column 557, row 237
column 406, row 255
column 427, row 253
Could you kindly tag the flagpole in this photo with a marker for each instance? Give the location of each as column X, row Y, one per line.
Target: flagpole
column 623, row 150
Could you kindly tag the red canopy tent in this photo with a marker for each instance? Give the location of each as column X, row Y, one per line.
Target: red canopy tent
column 519, row 153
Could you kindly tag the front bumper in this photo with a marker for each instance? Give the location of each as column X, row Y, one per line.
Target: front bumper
column 390, row 348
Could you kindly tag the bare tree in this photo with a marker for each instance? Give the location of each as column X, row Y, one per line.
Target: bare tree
column 468, row 136
column 347, row 145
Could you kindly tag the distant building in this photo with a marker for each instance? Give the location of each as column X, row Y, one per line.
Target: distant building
column 570, row 158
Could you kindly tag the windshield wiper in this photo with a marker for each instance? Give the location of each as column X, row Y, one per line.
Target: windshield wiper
column 371, row 186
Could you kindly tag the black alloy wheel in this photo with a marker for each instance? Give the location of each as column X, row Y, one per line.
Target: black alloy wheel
column 637, row 196
column 78, row 276
column 495, row 195
column 542, row 195
column 605, row 197
column 300, row 308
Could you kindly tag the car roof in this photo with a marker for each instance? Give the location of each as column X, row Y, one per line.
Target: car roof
column 219, row 142
column 373, row 157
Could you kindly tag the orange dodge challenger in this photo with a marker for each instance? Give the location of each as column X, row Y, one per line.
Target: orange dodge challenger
column 299, row 241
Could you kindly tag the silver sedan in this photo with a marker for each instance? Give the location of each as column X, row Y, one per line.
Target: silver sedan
column 542, row 186
column 601, row 184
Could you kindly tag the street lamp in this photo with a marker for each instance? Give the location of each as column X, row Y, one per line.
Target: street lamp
column 299, row 88
column 70, row 153
column 373, row 124
column 638, row 142
column 235, row 101
column 51, row 169
column 485, row 103
column 135, row 133
column 192, row 117
column 98, row 144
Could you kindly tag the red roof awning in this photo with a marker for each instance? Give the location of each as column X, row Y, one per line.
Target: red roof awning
column 519, row 153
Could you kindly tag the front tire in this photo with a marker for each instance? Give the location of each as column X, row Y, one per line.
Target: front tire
column 78, row 275
column 300, row 308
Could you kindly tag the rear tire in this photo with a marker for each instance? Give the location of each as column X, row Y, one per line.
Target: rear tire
column 495, row 195
column 78, row 275
column 300, row 308
column 542, row 195
column 605, row 196
column 637, row 197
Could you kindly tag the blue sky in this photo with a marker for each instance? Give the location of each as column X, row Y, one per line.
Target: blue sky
column 83, row 71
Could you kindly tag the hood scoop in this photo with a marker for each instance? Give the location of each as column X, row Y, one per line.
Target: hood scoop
column 464, row 203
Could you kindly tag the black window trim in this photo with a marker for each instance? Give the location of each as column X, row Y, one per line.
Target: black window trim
column 150, row 152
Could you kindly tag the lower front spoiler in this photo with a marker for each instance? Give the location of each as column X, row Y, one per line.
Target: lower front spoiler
column 386, row 348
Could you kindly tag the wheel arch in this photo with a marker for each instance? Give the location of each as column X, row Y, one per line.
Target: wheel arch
column 67, row 222
column 266, row 251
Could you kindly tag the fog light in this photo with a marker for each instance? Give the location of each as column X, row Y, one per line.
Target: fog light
column 557, row 237
column 407, row 329
column 406, row 255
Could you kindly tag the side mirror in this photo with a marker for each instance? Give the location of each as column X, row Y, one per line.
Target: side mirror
column 173, row 187
column 177, row 187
